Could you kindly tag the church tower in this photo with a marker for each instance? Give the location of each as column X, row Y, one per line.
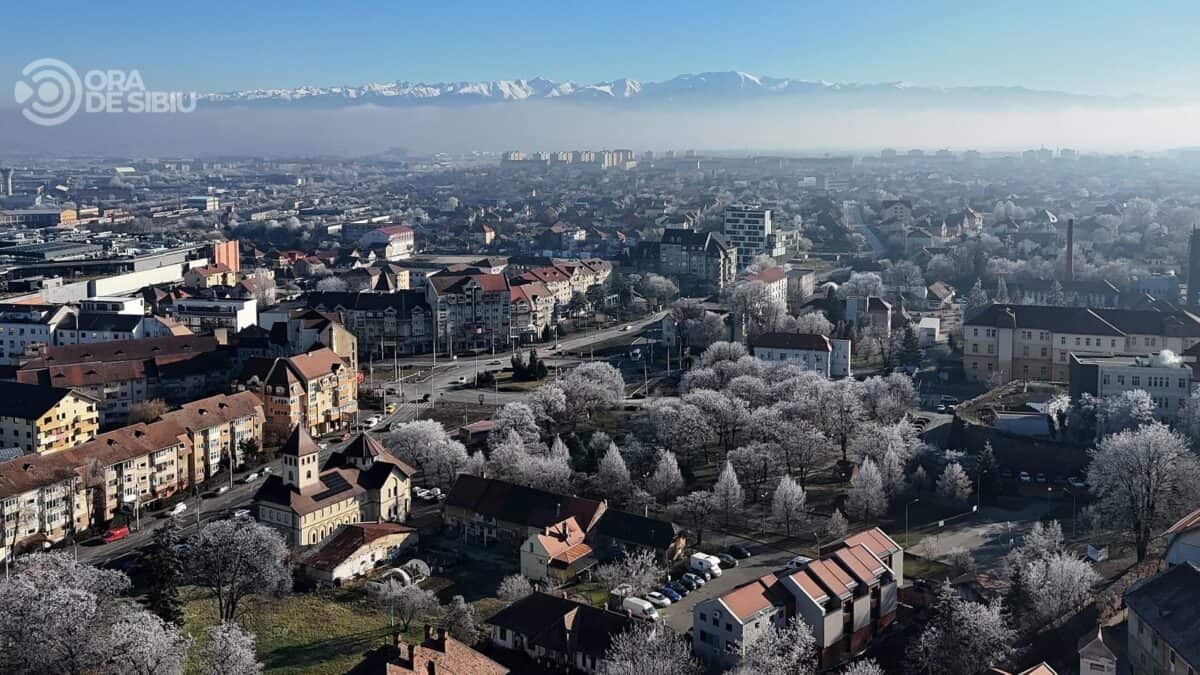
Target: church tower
column 301, row 460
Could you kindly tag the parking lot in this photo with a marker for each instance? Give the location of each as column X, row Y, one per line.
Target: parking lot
column 763, row 560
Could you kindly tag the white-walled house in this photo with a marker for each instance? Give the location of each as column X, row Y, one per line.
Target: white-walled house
column 827, row 356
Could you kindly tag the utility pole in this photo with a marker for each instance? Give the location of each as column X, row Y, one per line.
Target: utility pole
column 906, row 520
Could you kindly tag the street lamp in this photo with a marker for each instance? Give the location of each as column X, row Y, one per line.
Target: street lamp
column 914, row 501
column 1074, row 517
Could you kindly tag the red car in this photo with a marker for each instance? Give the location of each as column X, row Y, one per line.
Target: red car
column 115, row 534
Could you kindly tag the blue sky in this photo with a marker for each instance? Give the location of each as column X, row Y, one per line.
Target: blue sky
column 1099, row 47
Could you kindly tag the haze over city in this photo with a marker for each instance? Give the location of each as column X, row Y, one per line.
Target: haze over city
column 627, row 338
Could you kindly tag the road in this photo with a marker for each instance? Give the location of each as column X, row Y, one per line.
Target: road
column 442, row 384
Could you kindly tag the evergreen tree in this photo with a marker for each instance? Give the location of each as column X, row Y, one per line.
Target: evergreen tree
column 1058, row 297
column 910, row 347
column 1002, row 295
column 164, row 573
column 990, row 470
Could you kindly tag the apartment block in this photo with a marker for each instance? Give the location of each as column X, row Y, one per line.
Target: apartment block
column 218, row 427
column 1035, row 342
column 750, row 231
column 40, row 419
column 828, row 356
column 316, row 389
column 847, row 597
column 471, row 310
column 384, row 324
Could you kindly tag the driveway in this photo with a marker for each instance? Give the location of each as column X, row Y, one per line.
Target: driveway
column 763, row 561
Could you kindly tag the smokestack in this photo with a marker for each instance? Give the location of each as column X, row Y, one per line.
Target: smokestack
column 1070, row 271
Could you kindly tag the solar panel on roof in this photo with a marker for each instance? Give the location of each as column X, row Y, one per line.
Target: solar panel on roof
column 334, row 483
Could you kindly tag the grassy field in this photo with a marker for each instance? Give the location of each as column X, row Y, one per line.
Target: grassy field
column 322, row 632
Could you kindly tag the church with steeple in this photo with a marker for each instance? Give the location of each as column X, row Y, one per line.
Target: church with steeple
column 310, row 500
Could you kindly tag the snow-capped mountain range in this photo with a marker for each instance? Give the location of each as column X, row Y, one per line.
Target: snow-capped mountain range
column 714, row 87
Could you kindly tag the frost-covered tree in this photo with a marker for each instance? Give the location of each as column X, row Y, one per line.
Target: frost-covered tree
column 954, row 485
column 886, row 399
column 786, row 650
column 840, row 412
column 590, row 387
column 461, row 620
column 405, row 602
column 235, row 559
column 675, row 424
column 718, row 352
column 863, row 667
column 229, row 651
column 430, row 450
column 757, row 465
column 725, row 415
column 728, row 495
column 695, row 510
column 813, row 323
column 646, row 648
column 962, row 637
column 862, row 285
column 513, row 587
column 638, row 569
column 836, row 526
column 789, row 506
column 549, row 405
column 1142, row 480
column 518, row 417
column 667, row 480
column 866, row 499
column 58, row 615
column 613, row 475
column 1127, row 410
column 977, row 298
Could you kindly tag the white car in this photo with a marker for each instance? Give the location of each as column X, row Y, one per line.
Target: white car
column 462, row 380
column 250, row 477
column 432, row 495
column 179, row 508
column 798, row 562
column 658, row 599
column 241, row 513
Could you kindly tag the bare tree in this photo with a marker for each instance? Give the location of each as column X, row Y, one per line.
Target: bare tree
column 1143, row 479
column 647, row 649
column 513, row 587
column 461, row 620
column 230, row 651
column 146, row 411
column 695, row 510
column 235, row 559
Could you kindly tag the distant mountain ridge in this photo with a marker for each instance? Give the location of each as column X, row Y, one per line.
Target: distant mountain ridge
column 714, row 87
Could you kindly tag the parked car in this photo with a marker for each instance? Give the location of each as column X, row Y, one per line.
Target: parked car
column 1076, row 482
column 241, row 513
column 727, row 560
column 433, row 495
column 705, row 564
column 658, row 599
column 740, row 552
column 250, row 477
column 681, row 588
column 493, row 363
column 115, row 534
column 421, row 493
column 1024, row 477
column 626, row 328
column 798, row 562
column 178, row 509
column 462, row 380
column 1041, row 477
column 639, row 608
column 694, row 578
column 672, row 594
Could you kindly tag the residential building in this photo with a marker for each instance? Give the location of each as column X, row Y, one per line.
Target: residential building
column 316, row 390
column 872, row 314
column 384, row 324
column 847, row 597
column 87, row 328
column 557, row 554
column 1167, row 379
column 308, row 503
column 749, row 230
column 531, row 312
column 1007, row 342
column 1095, row 656
column 896, row 210
column 208, row 315
column 211, row 275
column 487, row 511
column 356, row 550
column 219, row 428
column 1163, row 622
column 618, row 532
column 828, row 356
column 702, row 262
column 26, row 329
column 559, row 634
column 438, row 654
column 1183, row 540
column 133, row 306
column 774, row 280
column 41, row 419
column 471, row 310
column 203, row 203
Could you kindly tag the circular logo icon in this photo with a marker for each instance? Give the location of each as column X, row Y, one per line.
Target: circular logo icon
column 49, row 92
